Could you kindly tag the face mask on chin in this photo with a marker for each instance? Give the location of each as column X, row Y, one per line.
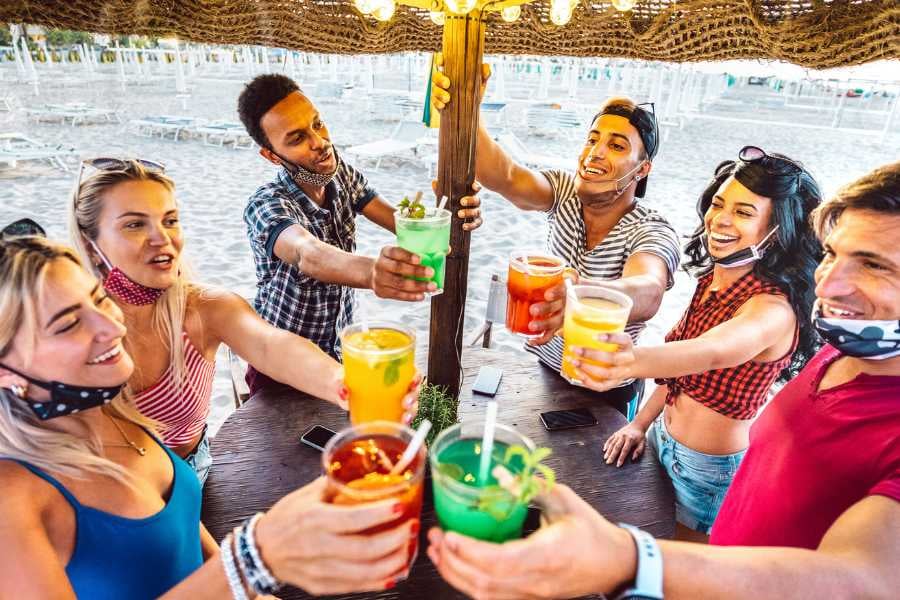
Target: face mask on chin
column 616, row 185
column 301, row 175
column 64, row 399
column 122, row 287
column 744, row 256
column 860, row 338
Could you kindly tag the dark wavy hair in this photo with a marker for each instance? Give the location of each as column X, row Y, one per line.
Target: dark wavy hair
column 257, row 98
column 791, row 259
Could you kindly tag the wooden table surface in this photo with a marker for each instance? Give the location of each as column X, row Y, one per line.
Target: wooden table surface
column 258, row 457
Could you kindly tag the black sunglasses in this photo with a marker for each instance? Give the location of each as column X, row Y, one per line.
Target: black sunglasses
column 755, row 154
column 115, row 164
column 22, row 227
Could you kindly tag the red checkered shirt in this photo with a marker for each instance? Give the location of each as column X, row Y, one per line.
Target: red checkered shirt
column 737, row 392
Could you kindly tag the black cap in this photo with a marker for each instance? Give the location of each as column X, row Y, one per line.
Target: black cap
column 645, row 123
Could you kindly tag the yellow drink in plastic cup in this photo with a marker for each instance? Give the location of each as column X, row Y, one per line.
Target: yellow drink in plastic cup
column 590, row 311
column 379, row 365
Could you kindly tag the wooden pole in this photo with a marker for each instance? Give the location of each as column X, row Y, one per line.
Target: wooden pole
column 463, row 48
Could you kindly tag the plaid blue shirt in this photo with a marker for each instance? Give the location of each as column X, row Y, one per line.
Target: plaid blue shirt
column 286, row 297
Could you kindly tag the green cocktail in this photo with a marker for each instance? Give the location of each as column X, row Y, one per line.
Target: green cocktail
column 479, row 509
column 429, row 237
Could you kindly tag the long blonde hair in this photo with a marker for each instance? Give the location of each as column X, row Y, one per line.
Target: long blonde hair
column 23, row 267
column 84, row 216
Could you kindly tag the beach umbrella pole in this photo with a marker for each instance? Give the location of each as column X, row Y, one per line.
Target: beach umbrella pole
column 463, row 49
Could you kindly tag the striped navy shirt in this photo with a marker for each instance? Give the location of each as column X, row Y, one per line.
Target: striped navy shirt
column 641, row 230
column 286, row 297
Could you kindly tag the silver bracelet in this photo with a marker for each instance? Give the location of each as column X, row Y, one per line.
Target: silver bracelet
column 231, row 572
column 268, row 581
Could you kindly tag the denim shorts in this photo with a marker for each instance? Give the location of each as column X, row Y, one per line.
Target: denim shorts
column 700, row 480
column 200, row 458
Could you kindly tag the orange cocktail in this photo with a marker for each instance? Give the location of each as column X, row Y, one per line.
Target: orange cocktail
column 590, row 311
column 531, row 274
column 359, row 464
column 379, row 365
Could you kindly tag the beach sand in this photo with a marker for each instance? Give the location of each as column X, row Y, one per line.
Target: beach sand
column 214, row 183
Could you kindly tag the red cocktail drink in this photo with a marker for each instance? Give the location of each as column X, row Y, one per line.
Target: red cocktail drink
column 530, row 276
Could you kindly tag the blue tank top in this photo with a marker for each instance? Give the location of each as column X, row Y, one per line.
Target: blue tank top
column 116, row 557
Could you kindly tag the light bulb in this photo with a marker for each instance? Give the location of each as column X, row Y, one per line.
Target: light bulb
column 560, row 12
column 385, row 10
column 623, row 5
column 437, row 17
column 511, row 13
column 365, row 6
column 460, row 7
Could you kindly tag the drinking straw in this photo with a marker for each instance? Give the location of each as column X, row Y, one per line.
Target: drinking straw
column 570, row 287
column 413, row 447
column 442, row 202
column 487, row 442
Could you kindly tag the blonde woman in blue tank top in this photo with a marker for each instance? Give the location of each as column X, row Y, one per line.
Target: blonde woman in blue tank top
column 94, row 506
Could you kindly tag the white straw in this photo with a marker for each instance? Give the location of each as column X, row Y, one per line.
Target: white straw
column 442, row 203
column 487, row 442
column 364, row 326
column 413, row 447
column 570, row 287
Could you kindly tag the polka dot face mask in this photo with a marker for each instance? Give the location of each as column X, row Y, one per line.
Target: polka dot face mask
column 64, row 399
column 122, row 287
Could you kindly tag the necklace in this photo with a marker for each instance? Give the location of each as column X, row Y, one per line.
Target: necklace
column 139, row 449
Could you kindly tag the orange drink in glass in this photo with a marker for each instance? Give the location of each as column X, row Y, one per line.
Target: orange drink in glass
column 590, row 311
column 358, row 464
column 379, row 365
column 530, row 275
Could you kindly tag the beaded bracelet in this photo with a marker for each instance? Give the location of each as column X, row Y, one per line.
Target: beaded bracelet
column 231, row 572
column 258, row 577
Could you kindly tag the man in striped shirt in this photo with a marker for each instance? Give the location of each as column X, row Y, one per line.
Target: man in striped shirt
column 595, row 221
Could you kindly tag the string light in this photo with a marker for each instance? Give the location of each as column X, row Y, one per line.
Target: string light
column 511, row 13
column 385, row 10
column 460, row 7
column 560, row 12
column 623, row 5
column 437, row 17
column 365, row 6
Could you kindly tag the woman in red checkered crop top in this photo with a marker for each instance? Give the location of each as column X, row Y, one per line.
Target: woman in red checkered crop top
column 747, row 325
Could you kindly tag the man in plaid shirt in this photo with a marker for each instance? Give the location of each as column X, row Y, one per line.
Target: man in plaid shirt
column 302, row 225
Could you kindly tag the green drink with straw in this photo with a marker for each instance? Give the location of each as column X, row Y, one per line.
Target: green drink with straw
column 468, row 497
column 426, row 232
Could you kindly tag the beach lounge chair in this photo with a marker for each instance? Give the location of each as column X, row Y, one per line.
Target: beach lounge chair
column 219, row 133
column 544, row 119
column 165, row 126
column 521, row 154
column 16, row 148
column 404, row 141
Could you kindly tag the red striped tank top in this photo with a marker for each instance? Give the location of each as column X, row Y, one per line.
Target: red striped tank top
column 181, row 410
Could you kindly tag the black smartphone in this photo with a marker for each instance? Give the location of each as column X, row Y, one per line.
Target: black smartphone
column 555, row 420
column 317, row 436
column 487, row 381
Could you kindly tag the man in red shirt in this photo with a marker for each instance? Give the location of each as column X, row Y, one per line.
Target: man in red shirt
column 819, row 486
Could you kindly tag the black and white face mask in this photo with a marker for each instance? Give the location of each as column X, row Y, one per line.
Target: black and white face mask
column 64, row 399
column 301, row 175
column 742, row 257
column 860, row 338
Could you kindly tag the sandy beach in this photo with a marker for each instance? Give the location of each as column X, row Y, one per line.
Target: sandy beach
column 213, row 183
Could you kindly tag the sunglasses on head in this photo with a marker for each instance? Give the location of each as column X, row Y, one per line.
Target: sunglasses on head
column 22, row 227
column 754, row 154
column 115, row 164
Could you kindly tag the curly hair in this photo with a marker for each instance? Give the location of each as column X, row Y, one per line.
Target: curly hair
column 257, row 98
column 791, row 260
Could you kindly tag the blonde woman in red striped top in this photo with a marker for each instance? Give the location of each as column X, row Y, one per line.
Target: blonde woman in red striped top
column 124, row 221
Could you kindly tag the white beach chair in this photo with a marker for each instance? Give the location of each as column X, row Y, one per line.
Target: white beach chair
column 404, row 141
column 219, row 133
column 521, row 154
column 16, row 148
column 165, row 126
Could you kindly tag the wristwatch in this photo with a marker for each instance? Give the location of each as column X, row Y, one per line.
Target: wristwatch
column 648, row 582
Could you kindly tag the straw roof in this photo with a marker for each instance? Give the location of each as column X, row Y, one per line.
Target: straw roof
column 812, row 33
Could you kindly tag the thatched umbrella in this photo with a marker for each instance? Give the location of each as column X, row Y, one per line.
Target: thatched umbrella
column 811, row 33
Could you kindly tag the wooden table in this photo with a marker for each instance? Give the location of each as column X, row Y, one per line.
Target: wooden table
column 259, row 458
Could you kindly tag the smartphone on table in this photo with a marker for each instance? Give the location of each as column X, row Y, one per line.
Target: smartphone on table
column 556, row 420
column 317, row 436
